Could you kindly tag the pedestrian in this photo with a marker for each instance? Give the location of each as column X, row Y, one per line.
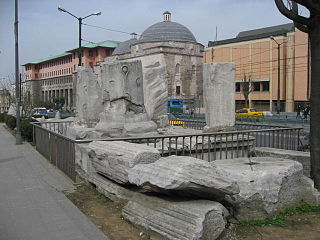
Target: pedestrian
column 308, row 110
column 187, row 111
column 305, row 112
column 298, row 112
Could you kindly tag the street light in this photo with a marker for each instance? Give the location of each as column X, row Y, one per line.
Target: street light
column 278, row 91
column 80, row 23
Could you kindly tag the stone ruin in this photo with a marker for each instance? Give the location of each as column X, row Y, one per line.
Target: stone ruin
column 181, row 198
column 185, row 198
column 218, row 91
column 110, row 102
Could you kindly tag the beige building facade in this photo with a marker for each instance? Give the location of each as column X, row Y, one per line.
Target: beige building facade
column 4, row 100
column 255, row 53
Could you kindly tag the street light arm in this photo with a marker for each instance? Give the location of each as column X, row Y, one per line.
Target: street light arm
column 63, row 10
column 72, row 15
column 92, row 14
column 272, row 38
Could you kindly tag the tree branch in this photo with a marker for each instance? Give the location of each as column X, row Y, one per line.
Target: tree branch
column 301, row 27
column 293, row 13
column 311, row 5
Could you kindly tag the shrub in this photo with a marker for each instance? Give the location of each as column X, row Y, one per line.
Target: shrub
column 10, row 121
column 27, row 129
column 2, row 117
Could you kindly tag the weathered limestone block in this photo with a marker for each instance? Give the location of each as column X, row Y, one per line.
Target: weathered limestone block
column 82, row 157
column 115, row 159
column 77, row 131
column 155, row 89
column 177, row 220
column 218, row 91
column 124, row 112
column 89, row 96
column 184, row 176
column 267, row 186
column 301, row 157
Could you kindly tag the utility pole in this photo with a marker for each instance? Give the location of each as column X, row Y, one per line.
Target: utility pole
column 18, row 132
column 278, row 90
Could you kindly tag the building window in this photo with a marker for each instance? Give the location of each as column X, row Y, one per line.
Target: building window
column 265, row 86
column 91, row 64
column 90, row 53
column 74, row 67
column 178, row 90
column 237, row 87
column 256, row 86
column 177, row 68
column 96, row 52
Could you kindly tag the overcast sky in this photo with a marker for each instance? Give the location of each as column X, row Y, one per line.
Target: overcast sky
column 44, row 31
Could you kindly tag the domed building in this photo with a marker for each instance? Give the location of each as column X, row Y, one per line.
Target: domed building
column 172, row 50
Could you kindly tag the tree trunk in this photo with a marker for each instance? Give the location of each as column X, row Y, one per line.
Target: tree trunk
column 314, row 36
column 246, row 102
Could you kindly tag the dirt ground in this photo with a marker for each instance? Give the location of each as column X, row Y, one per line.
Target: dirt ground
column 298, row 227
column 106, row 215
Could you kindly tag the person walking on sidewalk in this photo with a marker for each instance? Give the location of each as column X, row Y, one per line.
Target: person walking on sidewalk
column 298, row 112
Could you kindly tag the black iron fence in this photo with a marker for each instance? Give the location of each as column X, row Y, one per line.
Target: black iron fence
column 60, row 150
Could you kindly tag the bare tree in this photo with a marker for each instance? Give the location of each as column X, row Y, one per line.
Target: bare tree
column 246, row 88
column 310, row 25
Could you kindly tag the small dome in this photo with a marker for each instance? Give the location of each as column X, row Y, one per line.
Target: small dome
column 167, row 31
column 124, row 47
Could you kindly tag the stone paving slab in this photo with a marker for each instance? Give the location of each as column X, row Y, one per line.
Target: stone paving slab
column 32, row 205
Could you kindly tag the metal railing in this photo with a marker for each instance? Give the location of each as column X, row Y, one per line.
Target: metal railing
column 60, row 150
column 57, row 126
column 55, row 147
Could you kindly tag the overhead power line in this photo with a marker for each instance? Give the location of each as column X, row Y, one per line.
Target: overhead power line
column 108, row 29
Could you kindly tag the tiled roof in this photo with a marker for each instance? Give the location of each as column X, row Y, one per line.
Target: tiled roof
column 107, row 44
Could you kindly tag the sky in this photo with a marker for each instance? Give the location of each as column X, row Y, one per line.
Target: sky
column 44, row 31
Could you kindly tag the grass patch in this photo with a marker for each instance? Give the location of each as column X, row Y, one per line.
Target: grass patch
column 280, row 219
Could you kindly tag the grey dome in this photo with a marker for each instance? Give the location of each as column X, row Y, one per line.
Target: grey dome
column 124, row 47
column 167, row 31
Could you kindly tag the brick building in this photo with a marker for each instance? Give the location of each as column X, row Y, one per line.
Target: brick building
column 54, row 77
column 256, row 56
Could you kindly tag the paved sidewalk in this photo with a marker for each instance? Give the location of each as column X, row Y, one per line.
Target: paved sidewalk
column 32, row 206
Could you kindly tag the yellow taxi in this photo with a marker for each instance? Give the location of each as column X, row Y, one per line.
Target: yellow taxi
column 248, row 112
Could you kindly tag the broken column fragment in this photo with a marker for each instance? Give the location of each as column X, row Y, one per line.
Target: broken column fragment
column 114, row 159
column 184, row 176
column 124, row 113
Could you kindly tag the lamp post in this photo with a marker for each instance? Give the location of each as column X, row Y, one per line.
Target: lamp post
column 80, row 24
column 278, row 90
column 17, row 88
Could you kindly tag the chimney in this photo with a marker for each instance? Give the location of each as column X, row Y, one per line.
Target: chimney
column 133, row 35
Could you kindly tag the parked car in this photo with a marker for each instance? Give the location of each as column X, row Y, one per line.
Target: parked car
column 39, row 112
column 248, row 112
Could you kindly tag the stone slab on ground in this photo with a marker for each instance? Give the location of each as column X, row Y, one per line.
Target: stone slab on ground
column 114, row 159
column 301, row 157
column 267, row 186
column 185, row 176
column 177, row 219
